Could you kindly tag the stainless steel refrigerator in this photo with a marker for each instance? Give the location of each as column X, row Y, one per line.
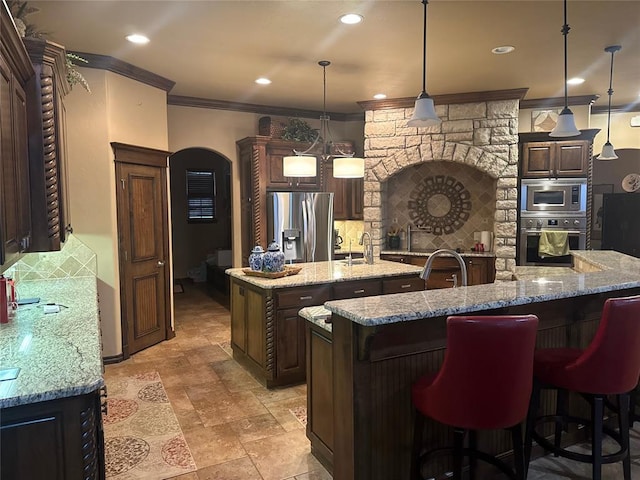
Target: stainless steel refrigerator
column 302, row 223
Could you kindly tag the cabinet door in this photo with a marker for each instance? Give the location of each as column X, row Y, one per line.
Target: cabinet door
column 22, row 166
column 320, row 391
column 357, row 198
column 537, row 159
column 255, row 322
column 571, row 158
column 276, row 179
column 477, row 273
column 339, row 188
column 238, row 317
column 290, row 344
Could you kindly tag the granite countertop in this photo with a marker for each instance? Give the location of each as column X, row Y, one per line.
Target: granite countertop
column 427, row 253
column 618, row 271
column 529, row 272
column 329, row 272
column 59, row 354
column 317, row 315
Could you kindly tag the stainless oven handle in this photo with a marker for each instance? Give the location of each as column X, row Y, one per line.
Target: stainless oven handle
column 570, row 232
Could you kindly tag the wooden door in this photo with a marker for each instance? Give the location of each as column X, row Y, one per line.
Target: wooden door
column 572, row 158
column 537, row 159
column 143, row 247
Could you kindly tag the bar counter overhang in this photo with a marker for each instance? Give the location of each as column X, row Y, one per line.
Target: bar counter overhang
column 381, row 345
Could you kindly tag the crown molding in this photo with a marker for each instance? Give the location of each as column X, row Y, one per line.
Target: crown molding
column 447, row 99
column 629, row 108
column 105, row 62
column 184, row 101
column 556, row 102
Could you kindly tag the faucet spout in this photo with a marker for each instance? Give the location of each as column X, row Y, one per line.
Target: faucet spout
column 426, row 271
column 368, row 249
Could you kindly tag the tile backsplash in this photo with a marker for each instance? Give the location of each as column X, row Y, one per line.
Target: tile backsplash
column 75, row 259
column 404, row 203
column 350, row 231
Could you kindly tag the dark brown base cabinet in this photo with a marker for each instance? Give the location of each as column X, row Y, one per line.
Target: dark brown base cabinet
column 53, row 440
column 480, row 270
column 268, row 336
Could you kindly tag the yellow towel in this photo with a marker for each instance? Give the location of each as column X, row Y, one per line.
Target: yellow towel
column 553, row 244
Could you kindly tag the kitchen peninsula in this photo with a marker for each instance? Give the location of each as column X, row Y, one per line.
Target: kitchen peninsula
column 50, row 420
column 268, row 336
column 360, row 420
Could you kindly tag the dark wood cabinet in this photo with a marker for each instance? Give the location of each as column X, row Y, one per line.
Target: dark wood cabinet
column 542, row 156
column 57, row 439
column 347, row 195
column 16, row 72
column 268, row 336
column 47, row 144
column 480, row 270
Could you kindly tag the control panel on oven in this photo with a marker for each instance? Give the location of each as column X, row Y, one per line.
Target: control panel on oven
column 557, row 223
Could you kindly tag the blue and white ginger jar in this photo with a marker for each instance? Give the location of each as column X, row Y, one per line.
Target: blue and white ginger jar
column 255, row 259
column 273, row 260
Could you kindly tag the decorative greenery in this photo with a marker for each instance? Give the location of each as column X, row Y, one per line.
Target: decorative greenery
column 299, row 131
column 20, row 10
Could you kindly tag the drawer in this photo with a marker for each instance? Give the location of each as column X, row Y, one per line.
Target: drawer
column 360, row 288
column 400, row 285
column 443, row 279
column 303, row 297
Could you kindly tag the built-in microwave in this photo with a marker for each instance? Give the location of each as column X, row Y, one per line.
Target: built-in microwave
column 562, row 195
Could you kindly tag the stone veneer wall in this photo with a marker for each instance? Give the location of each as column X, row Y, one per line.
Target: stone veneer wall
column 483, row 135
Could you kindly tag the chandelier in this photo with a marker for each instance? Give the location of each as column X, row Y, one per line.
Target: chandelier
column 304, row 163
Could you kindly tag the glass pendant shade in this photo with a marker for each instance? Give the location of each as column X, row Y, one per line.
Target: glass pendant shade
column 566, row 126
column 299, row 166
column 424, row 113
column 348, row 167
column 608, row 153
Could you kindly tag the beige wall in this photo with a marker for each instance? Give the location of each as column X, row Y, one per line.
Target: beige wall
column 118, row 110
column 580, row 113
column 622, row 134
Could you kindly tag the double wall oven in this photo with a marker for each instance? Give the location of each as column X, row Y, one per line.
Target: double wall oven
column 554, row 205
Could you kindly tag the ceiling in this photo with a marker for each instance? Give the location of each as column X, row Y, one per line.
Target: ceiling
column 216, row 49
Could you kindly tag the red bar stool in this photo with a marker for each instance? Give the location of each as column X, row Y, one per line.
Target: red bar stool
column 610, row 365
column 484, row 383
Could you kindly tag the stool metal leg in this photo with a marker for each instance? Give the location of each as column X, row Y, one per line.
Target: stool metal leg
column 623, row 402
column 561, row 412
column 458, row 452
column 473, row 446
column 518, row 451
column 531, row 422
column 596, row 436
column 418, row 429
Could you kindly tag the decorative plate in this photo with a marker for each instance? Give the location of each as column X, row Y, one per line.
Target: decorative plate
column 631, row 182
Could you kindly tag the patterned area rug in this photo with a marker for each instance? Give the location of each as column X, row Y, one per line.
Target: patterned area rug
column 143, row 439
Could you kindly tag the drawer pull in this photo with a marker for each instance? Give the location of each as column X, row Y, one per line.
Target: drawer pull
column 408, row 285
column 306, row 297
column 359, row 291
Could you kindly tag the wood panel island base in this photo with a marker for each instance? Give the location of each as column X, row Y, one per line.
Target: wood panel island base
column 267, row 335
column 379, row 346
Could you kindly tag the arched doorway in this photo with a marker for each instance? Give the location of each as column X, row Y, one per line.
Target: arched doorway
column 201, row 213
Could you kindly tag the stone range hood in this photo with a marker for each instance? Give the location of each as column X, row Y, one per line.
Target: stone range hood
column 478, row 129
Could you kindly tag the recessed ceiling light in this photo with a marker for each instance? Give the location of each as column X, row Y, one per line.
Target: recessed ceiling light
column 379, row 96
column 575, row 81
column 138, row 38
column 351, row 18
column 503, row 49
column 263, row 81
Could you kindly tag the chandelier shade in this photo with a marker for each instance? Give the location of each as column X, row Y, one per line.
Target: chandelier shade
column 348, row 167
column 424, row 112
column 608, row 152
column 304, row 163
column 566, row 126
column 299, row 166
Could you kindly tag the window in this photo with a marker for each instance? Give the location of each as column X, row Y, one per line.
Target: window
column 201, row 196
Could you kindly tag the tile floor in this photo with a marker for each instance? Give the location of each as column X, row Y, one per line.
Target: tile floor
column 237, row 429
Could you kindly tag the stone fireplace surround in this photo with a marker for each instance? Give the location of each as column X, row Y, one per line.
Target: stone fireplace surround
column 481, row 132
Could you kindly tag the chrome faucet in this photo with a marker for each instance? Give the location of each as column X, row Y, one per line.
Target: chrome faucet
column 368, row 249
column 426, row 271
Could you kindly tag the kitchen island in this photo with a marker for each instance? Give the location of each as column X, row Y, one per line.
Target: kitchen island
column 268, row 336
column 50, row 416
column 378, row 346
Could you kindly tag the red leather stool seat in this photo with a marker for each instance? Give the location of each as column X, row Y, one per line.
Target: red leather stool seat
column 610, row 365
column 484, row 383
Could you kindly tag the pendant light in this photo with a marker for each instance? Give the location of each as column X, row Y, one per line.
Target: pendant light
column 424, row 113
column 566, row 126
column 608, row 153
column 303, row 164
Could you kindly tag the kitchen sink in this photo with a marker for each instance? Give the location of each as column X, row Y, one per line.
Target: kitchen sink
column 354, row 261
